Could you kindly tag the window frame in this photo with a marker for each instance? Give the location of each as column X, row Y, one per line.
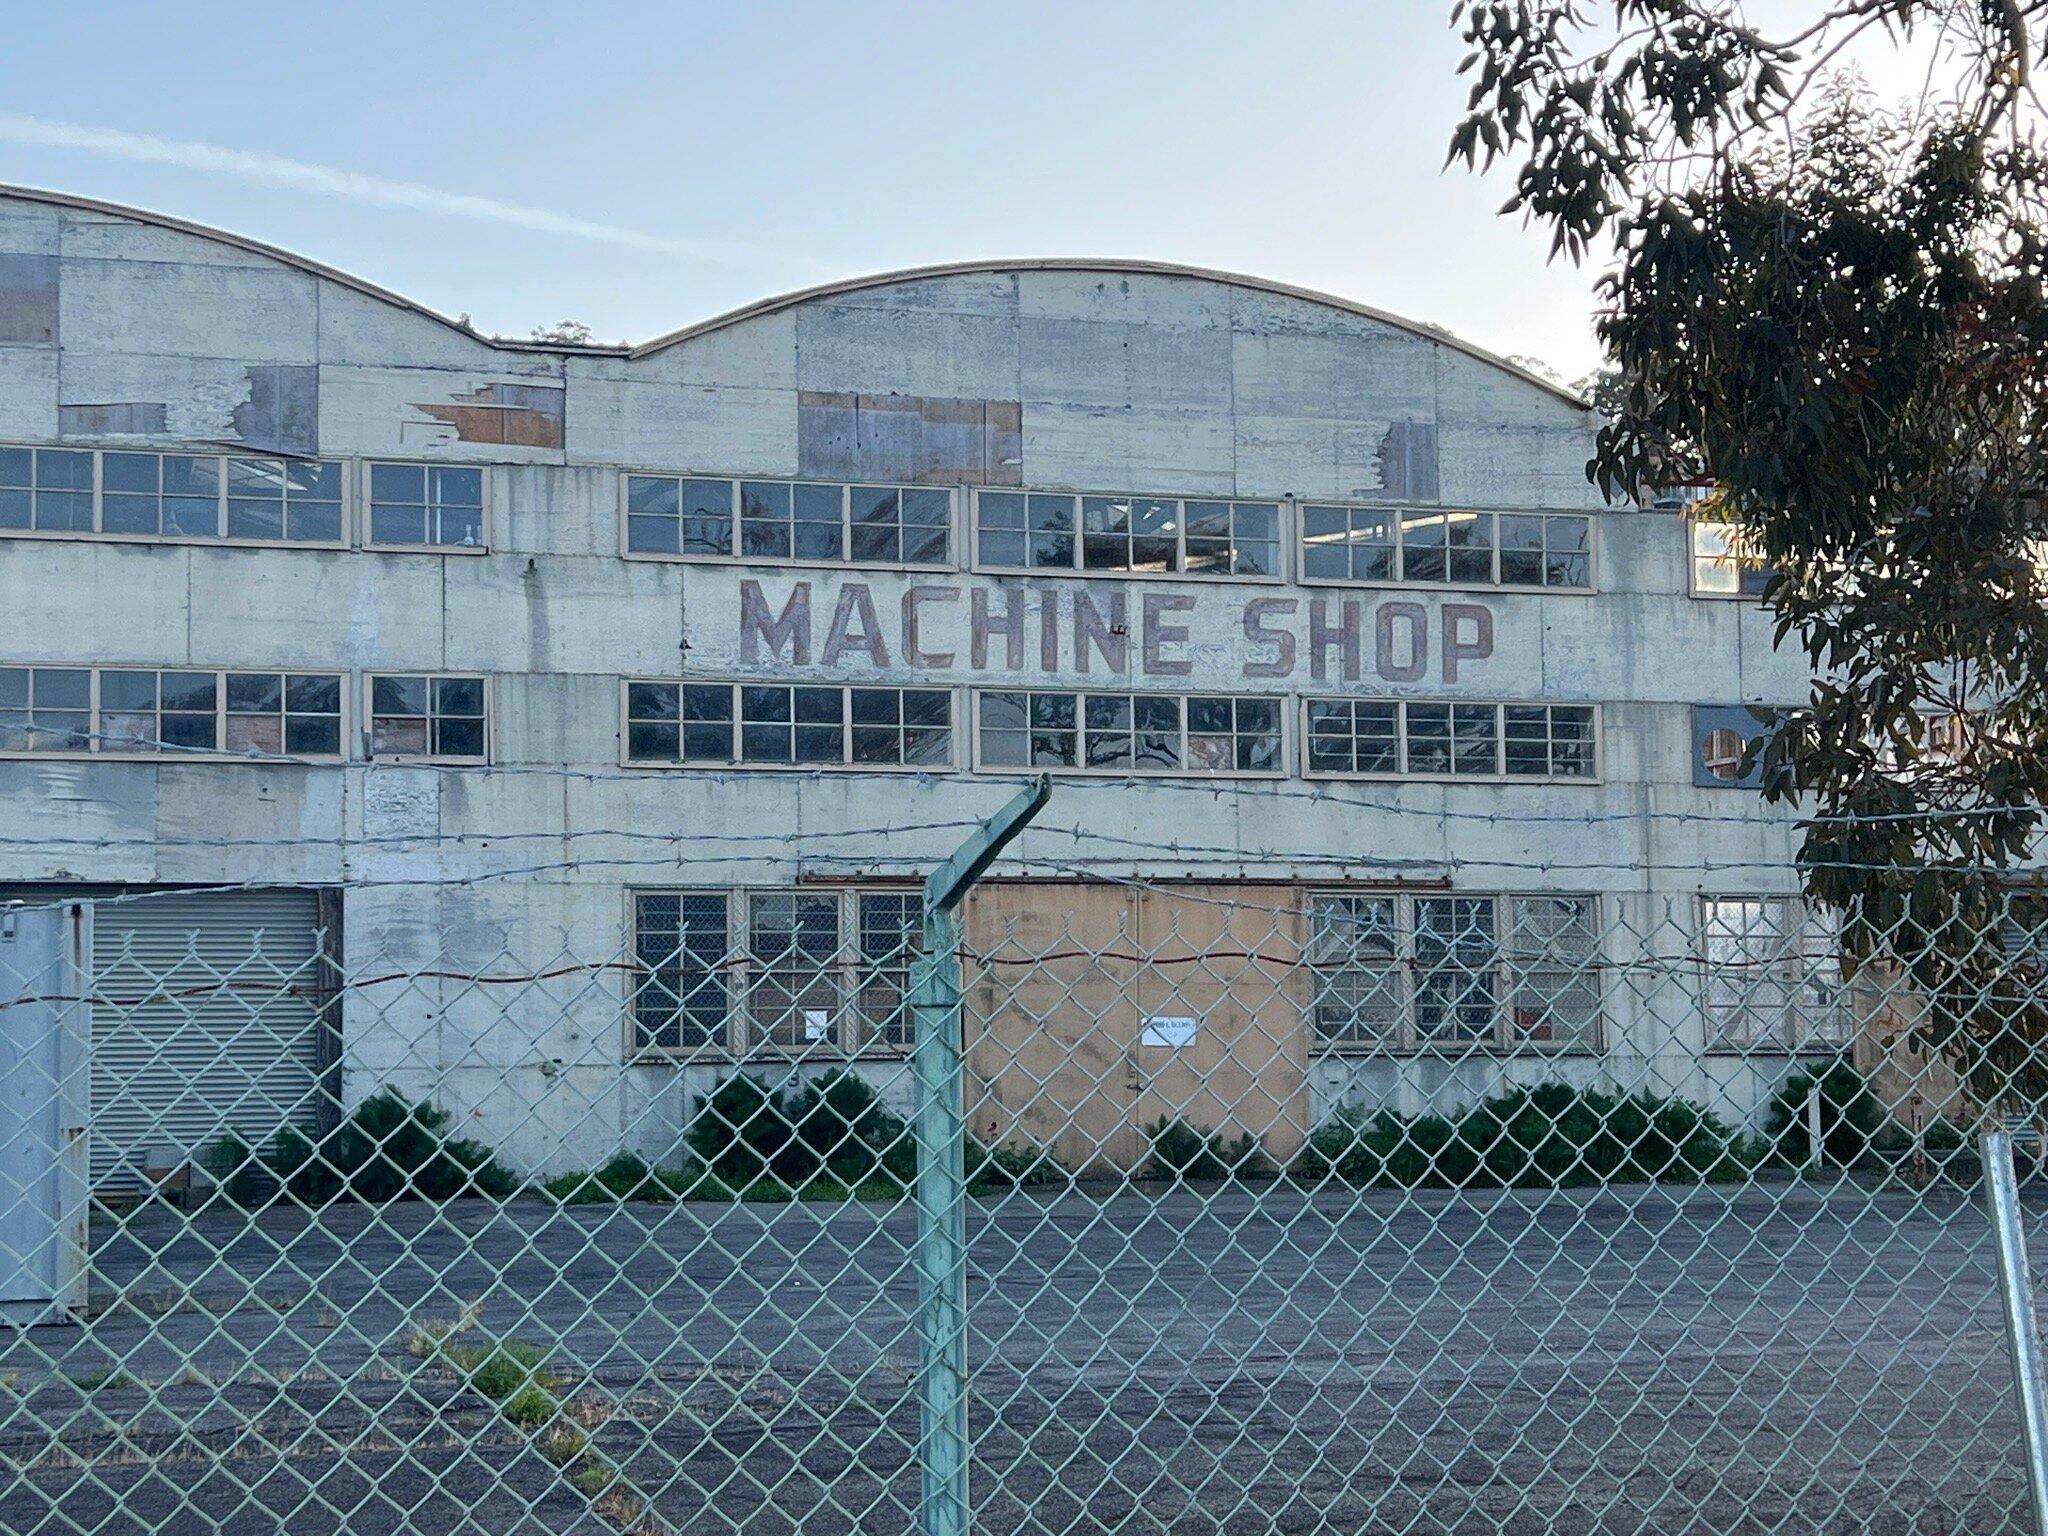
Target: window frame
column 843, row 561
column 1406, row 969
column 856, row 1036
column 1741, row 564
column 95, row 748
column 486, row 513
column 100, row 534
column 1284, row 770
column 1500, row 776
column 978, row 565
column 368, row 716
column 1398, row 514
column 1714, row 1041
column 846, row 764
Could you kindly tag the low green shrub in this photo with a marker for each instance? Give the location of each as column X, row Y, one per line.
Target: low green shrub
column 387, row 1149
column 835, row 1127
column 1850, row 1115
column 1010, row 1165
column 1548, row 1136
column 627, row 1176
column 1180, row 1151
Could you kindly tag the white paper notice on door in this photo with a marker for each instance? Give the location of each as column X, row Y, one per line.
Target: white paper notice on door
column 1174, row 1031
column 817, row 1024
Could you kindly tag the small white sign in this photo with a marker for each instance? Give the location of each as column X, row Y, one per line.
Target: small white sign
column 1170, row 1030
column 817, row 1024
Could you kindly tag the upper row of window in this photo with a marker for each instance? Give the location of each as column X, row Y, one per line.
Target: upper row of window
column 253, row 499
column 246, row 498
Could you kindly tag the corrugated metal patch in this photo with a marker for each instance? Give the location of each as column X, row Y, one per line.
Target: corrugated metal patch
column 909, row 439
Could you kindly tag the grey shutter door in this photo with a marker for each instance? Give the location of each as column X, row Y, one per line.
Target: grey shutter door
column 204, row 1024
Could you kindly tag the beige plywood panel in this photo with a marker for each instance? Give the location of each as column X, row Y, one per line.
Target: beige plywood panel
column 1062, row 980
column 1229, row 958
column 1051, row 1020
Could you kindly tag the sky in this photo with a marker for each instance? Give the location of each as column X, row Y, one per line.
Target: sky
column 640, row 166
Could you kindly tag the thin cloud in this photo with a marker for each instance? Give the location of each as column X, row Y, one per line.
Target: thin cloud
column 332, row 181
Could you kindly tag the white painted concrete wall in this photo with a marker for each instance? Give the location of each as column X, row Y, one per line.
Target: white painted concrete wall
column 1126, row 381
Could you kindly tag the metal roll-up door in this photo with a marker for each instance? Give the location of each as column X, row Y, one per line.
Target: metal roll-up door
column 205, row 1023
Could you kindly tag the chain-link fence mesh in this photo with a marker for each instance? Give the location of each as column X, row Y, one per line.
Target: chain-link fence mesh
column 1287, row 1208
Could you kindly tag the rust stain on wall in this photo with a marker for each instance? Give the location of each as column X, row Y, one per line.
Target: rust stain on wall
column 517, row 415
column 911, row 439
column 128, row 418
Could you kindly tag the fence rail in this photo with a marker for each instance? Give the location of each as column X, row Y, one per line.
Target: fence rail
column 1054, row 1205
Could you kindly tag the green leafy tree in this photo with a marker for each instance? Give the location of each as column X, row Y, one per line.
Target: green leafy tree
column 1841, row 313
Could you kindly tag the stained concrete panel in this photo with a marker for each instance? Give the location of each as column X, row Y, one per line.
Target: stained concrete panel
column 906, row 351
column 138, row 611
column 28, row 393
column 199, row 396
column 252, row 314
column 683, row 427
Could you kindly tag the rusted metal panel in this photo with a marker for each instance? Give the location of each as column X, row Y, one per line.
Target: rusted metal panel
column 282, row 413
column 910, row 439
column 519, row 415
column 28, row 299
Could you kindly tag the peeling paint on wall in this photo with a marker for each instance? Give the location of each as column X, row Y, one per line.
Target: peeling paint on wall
column 117, row 418
column 519, row 415
column 28, row 299
column 282, row 413
column 912, row 439
column 1407, row 461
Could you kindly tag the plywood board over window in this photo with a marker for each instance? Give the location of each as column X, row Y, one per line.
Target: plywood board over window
column 1061, row 979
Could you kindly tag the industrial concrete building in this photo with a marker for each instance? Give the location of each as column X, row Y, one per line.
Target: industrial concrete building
column 367, row 641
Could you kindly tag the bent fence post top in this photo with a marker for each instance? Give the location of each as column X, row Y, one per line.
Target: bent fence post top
column 945, row 886
column 941, row 1138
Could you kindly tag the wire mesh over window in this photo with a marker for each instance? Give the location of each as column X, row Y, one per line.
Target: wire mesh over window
column 1773, row 975
column 681, row 944
column 891, row 938
column 1354, row 947
column 793, row 982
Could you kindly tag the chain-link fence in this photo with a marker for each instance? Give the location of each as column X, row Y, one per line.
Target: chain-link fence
column 1088, row 1205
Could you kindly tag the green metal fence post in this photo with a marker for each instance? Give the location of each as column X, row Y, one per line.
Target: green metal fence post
column 941, row 1169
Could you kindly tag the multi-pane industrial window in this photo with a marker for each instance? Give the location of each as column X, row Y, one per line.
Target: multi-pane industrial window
column 427, row 506
column 1773, row 975
column 1403, row 972
column 1722, row 565
column 429, row 717
column 183, row 496
column 1448, row 739
column 132, row 710
column 1132, row 733
column 789, row 520
column 793, row 725
column 1016, row 530
column 1437, row 547
column 795, row 972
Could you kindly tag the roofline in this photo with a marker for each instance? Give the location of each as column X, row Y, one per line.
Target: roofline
column 291, row 259
column 778, row 302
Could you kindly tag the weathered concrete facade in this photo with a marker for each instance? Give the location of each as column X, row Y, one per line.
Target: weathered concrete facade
column 122, row 331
